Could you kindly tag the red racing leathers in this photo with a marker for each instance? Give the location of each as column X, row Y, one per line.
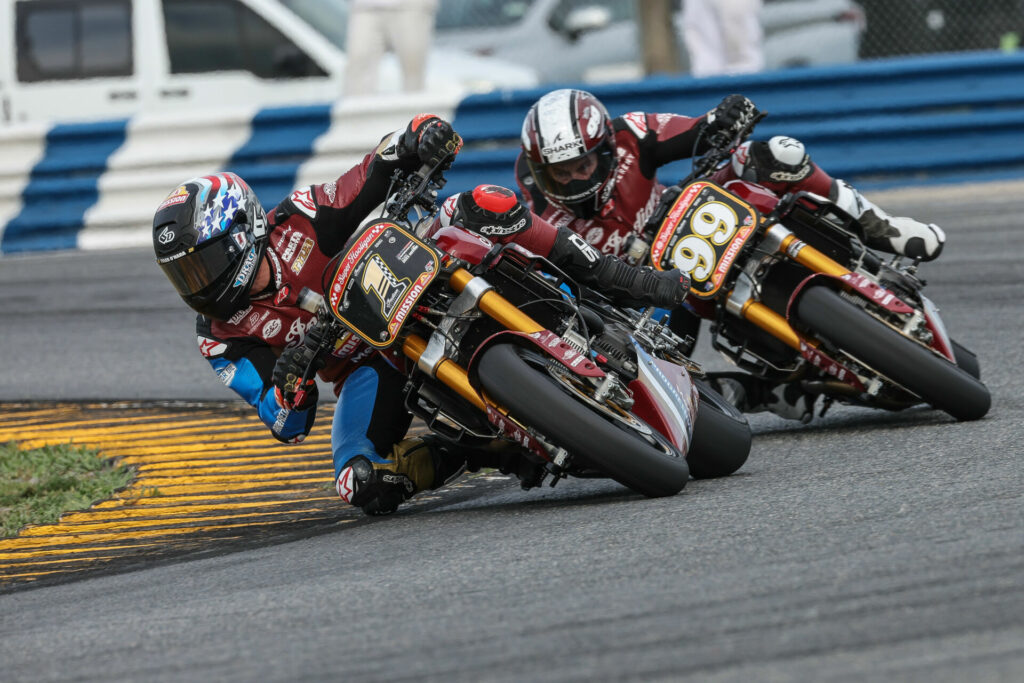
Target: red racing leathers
column 306, row 230
column 643, row 143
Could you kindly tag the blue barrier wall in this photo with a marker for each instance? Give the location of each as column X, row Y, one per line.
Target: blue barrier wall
column 948, row 118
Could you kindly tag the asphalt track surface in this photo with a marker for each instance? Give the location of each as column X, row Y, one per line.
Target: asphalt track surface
column 865, row 546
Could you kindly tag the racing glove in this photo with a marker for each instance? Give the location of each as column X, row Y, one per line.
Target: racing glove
column 625, row 284
column 290, row 389
column 732, row 114
column 427, row 139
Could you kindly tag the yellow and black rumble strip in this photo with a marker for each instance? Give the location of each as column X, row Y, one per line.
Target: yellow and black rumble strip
column 208, row 477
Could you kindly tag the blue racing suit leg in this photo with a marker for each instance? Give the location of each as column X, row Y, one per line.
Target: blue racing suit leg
column 370, row 417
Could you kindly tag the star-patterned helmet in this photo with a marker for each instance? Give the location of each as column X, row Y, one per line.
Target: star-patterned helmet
column 209, row 235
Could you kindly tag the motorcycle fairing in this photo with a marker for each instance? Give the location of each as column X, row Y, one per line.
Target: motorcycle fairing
column 702, row 234
column 462, row 244
column 379, row 281
column 665, row 397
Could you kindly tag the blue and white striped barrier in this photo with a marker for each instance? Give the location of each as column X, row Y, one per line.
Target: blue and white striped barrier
column 948, row 118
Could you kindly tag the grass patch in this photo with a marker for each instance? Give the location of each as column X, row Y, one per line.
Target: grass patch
column 38, row 486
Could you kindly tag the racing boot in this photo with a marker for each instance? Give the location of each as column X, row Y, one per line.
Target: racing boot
column 507, row 458
column 893, row 234
column 751, row 394
column 416, row 464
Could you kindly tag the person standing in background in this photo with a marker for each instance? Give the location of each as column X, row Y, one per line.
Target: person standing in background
column 404, row 27
column 723, row 36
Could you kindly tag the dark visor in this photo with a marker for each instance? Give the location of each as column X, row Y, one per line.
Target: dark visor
column 194, row 272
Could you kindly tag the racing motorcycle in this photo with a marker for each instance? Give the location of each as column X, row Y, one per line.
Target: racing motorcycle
column 795, row 296
column 501, row 347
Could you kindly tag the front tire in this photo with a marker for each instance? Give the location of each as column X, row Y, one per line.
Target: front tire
column 911, row 365
column 533, row 397
column 721, row 436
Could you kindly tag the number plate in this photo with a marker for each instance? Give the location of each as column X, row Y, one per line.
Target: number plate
column 702, row 234
column 379, row 281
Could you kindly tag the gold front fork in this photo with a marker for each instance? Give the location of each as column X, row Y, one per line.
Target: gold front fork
column 450, row 373
column 742, row 303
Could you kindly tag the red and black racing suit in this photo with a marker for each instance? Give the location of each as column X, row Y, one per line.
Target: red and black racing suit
column 307, row 229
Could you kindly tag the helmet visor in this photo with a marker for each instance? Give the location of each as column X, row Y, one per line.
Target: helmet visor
column 577, row 179
column 210, row 262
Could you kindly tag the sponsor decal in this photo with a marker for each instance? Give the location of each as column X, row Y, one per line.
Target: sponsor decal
column 581, row 244
column 331, row 190
column 344, row 485
column 448, row 207
column 671, row 222
column 172, row 257
column 227, row 373
column 614, row 243
column 643, row 214
column 271, row 328
column 408, row 250
column 258, row 317
column 282, row 417
column 345, row 345
column 240, row 239
column 282, row 236
column 499, row 230
column 211, row 347
column 350, row 261
column 166, row 236
column 300, row 259
column 246, row 271
column 293, row 244
column 829, row 366
column 240, row 316
column 410, row 298
column 593, row 118
column 594, row 235
column 177, row 196
column 303, row 200
column 297, row 331
column 382, row 281
column 637, row 122
column 558, row 152
column 282, row 294
column 730, row 254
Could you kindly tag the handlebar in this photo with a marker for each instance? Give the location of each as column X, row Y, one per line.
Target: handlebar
column 416, row 189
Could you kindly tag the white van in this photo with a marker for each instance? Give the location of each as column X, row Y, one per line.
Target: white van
column 73, row 60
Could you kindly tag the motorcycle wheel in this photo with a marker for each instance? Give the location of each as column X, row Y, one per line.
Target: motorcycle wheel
column 966, row 360
column 937, row 381
column 721, row 436
column 533, row 397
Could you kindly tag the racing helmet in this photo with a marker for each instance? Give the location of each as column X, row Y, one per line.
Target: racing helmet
column 209, row 235
column 568, row 144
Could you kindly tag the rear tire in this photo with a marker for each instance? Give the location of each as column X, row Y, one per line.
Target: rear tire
column 721, row 436
column 936, row 380
column 533, row 397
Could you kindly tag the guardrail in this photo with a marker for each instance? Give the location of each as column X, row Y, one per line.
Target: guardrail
column 946, row 118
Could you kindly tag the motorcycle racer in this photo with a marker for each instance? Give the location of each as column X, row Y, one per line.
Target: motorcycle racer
column 597, row 175
column 248, row 273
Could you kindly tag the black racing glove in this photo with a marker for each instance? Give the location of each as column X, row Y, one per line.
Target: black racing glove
column 731, row 115
column 492, row 211
column 290, row 388
column 634, row 287
column 427, row 139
